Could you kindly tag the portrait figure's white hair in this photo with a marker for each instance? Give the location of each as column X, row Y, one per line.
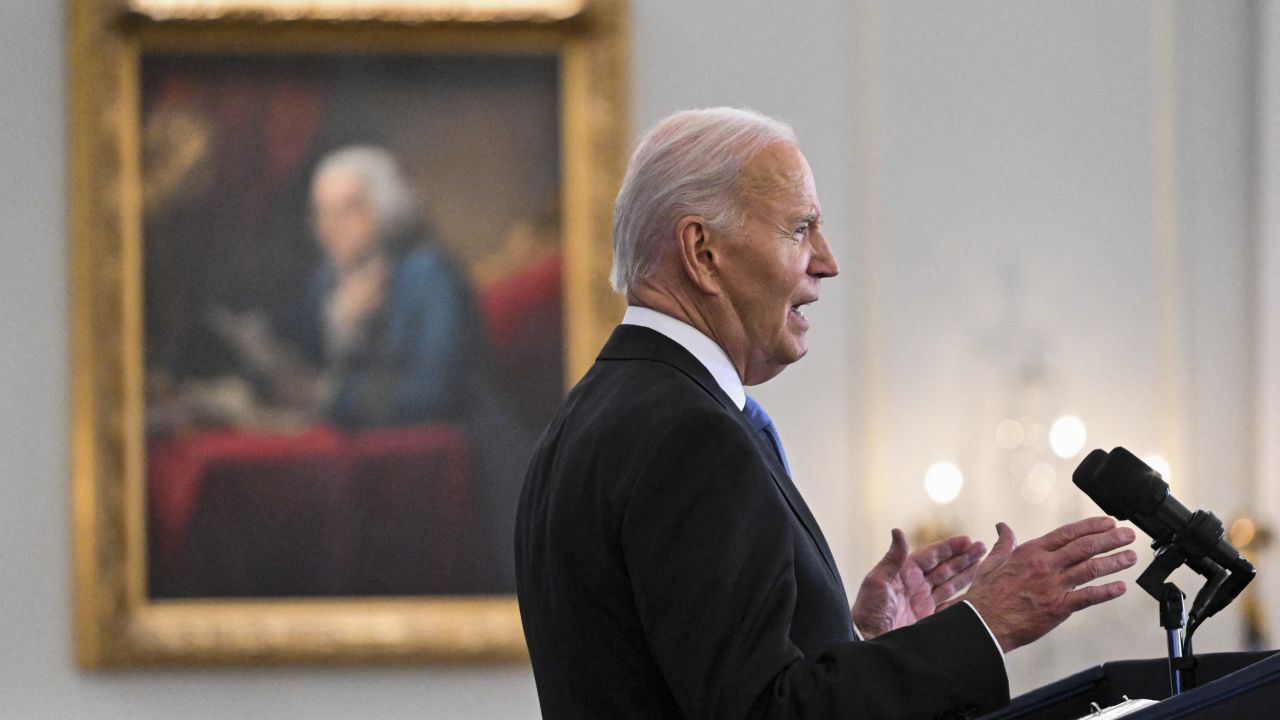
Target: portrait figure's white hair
column 688, row 164
column 393, row 201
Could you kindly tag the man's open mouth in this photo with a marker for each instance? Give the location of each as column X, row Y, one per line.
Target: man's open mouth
column 799, row 307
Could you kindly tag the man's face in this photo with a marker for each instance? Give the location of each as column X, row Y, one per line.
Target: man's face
column 770, row 270
column 345, row 222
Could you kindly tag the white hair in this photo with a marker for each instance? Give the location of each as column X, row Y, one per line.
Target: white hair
column 393, row 200
column 688, row 164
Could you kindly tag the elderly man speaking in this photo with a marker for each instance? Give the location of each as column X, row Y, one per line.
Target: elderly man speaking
column 666, row 565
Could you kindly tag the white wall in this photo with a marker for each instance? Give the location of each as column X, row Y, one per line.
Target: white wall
column 1100, row 152
column 1267, row 309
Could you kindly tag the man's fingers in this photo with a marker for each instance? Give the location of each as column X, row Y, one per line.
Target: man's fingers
column 1067, row 533
column 896, row 556
column 954, row 584
column 953, row 566
column 936, row 554
column 1097, row 567
column 1085, row 547
column 1091, row 595
column 977, row 551
column 1006, row 541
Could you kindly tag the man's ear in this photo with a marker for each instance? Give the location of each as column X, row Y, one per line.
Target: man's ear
column 699, row 253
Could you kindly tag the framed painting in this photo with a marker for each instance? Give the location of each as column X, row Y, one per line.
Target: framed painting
column 334, row 265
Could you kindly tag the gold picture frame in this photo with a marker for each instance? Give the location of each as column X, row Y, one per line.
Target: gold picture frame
column 118, row 621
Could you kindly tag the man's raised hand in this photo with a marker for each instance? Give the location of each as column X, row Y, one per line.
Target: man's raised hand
column 1024, row 591
column 905, row 587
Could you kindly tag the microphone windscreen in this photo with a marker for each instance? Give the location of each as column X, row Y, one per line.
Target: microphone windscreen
column 1088, row 478
column 1133, row 484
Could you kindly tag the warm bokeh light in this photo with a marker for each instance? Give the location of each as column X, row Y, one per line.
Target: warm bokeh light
column 942, row 482
column 1009, row 434
column 1242, row 532
column 1037, row 439
column 1067, row 436
column 1160, row 465
column 1039, row 483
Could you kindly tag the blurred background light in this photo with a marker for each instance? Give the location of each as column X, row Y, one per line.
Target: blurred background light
column 942, row 482
column 1039, row 483
column 1160, row 465
column 1067, row 436
column 1009, row 434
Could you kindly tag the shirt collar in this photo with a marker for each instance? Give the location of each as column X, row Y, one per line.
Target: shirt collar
column 712, row 356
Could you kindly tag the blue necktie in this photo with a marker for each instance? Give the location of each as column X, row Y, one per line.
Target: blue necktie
column 763, row 424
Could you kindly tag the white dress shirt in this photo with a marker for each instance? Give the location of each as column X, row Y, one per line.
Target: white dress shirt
column 712, row 356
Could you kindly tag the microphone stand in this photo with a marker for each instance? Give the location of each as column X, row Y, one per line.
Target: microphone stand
column 1182, row 661
column 1182, row 675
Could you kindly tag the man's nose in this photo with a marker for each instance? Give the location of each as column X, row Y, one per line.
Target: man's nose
column 822, row 263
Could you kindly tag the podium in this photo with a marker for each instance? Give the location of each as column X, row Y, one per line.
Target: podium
column 1234, row 686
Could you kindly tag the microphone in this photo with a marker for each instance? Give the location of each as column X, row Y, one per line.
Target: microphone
column 1128, row 489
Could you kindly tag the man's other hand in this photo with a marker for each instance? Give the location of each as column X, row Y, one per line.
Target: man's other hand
column 1024, row 591
column 905, row 587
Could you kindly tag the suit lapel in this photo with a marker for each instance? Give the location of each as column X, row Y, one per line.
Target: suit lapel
column 798, row 506
column 632, row 342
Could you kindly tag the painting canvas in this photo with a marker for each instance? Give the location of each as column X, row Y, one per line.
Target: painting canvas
column 352, row 318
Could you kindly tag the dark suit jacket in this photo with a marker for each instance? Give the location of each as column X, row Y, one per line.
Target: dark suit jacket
column 667, row 568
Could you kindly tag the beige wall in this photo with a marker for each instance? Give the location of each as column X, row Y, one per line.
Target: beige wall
column 1097, row 154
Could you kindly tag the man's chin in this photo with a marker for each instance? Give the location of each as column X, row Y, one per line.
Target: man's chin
column 770, row 369
column 799, row 347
